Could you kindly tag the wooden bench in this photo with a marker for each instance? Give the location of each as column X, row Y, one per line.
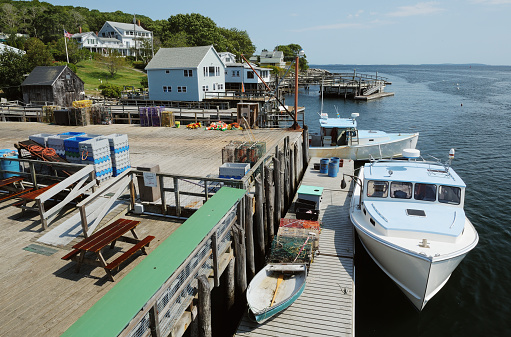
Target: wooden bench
column 10, row 180
column 139, row 246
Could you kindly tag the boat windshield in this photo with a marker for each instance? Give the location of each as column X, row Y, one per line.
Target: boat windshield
column 425, row 192
column 401, row 190
column 449, row 195
column 377, row 188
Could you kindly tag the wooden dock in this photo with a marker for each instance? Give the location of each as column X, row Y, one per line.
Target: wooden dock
column 42, row 294
column 327, row 305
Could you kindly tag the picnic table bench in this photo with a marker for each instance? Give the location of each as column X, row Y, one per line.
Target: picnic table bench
column 11, row 190
column 30, row 196
column 108, row 235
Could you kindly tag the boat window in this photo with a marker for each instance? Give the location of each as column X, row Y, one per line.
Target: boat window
column 401, row 190
column 377, row 188
column 426, row 192
column 449, row 195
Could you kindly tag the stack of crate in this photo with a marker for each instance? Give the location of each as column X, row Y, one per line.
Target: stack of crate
column 41, row 138
column 57, row 142
column 150, row 116
column 119, row 153
column 96, row 151
column 72, row 147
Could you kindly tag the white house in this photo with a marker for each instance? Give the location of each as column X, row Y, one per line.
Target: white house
column 240, row 76
column 123, row 38
column 185, row 74
column 272, row 58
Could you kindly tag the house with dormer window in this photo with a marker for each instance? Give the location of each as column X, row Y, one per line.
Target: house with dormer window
column 185, row 74
column 241, row 77
column 123, row 38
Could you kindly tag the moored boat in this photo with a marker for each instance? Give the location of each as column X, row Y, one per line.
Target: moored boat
column 409, row 217
column 275, row 288
column 340, row 137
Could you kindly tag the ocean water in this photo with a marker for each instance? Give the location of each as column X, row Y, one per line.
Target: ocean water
column 467, row 108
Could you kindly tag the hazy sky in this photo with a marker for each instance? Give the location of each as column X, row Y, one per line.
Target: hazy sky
column 354, row 32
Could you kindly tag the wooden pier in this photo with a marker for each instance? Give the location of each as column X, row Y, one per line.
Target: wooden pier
column 327, row 305
column 43, row 295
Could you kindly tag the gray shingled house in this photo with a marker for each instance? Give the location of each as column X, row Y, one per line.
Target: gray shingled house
column 52, row 86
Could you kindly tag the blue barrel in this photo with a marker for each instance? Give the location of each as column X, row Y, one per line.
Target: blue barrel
column 333, row 168
column 335, row 159
column 323, row 165
column 9, row 165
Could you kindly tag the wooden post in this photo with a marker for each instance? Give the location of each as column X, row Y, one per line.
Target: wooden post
column 296, row 165
column 277, row 193
column 239, row 251
column 154, row 322
column 204, row 307
column 292, row 174
column 286, row 171
column 214, row 248
column 230, row 284
column 282, row 160
column 305, row 147
column 162, row 193
column 132, row 191
column 176, row 195
column 33, row 175
column 40, row 206
column 270, row 209
column 249, row 234
column 259, row 225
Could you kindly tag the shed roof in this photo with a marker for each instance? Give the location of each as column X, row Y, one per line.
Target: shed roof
column 185, row 57
column 43, row 75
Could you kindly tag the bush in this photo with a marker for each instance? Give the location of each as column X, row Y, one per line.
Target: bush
column 110, row 90
column 139, row 65
column 144, row 83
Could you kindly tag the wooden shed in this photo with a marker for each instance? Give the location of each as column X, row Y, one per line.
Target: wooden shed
column 52, row 86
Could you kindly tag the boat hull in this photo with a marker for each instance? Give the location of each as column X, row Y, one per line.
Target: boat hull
column 418, row 277
column 263, row 288
column 388, row 149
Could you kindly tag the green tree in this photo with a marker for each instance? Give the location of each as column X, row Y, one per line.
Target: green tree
column 290, row 51
column 114, row 62
column 37, row 53
column 13, row 67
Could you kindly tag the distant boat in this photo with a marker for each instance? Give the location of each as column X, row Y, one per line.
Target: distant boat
column 339, row 137
column 409, row 217
column 275, row 288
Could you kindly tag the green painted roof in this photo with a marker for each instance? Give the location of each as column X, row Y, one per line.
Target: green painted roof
column 110, row 315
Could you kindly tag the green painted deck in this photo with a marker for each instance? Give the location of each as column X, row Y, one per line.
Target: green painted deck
column 114, row 311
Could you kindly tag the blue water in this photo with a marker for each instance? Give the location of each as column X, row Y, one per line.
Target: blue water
column 463, row 107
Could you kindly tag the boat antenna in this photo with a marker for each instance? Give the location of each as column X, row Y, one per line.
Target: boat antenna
column 451, row 157
column 337, row 111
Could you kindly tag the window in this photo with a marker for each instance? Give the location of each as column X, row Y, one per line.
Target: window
column 377, row 188
column 449, row 195
column 234, row 73
column 401, row 190
column 217, row 71
column 214, row 86
column 167, row 89
column 237, row 73
column 205, row 88
column 250, row 74
column 220, row 86
column 188, row 72
column 205, row 71
column 211, row 71
column 167, row 71
column 426, row 192
column 181, row 89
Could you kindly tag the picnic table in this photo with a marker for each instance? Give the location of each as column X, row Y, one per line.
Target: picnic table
column 108, row 235
column 8, row 185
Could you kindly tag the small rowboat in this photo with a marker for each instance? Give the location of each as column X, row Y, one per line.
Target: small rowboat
column 275, row 288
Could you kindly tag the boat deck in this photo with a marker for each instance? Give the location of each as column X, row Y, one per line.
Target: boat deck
column 327, row 305
column 41, row 295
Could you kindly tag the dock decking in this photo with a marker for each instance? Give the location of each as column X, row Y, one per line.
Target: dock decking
column 41, row 295
column 327, row 305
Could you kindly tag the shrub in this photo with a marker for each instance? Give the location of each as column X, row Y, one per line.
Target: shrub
column 139, row 65
column 69, row 65
column 110, row 90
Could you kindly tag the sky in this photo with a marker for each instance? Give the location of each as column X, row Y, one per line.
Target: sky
column 353, row 32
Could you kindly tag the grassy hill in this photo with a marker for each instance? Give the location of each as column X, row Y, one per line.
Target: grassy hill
column 94, row 73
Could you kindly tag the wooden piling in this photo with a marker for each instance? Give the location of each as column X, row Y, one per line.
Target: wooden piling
column 259, row 250
column 270, row 206
column 204, row 307
column 278, row 192
column 249, row 236
column 305, row 147
column 282, row 160
column 239, row 251
column 230, row 284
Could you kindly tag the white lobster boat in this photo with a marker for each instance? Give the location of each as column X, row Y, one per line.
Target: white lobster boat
column 409, row 216
column 339, row 137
